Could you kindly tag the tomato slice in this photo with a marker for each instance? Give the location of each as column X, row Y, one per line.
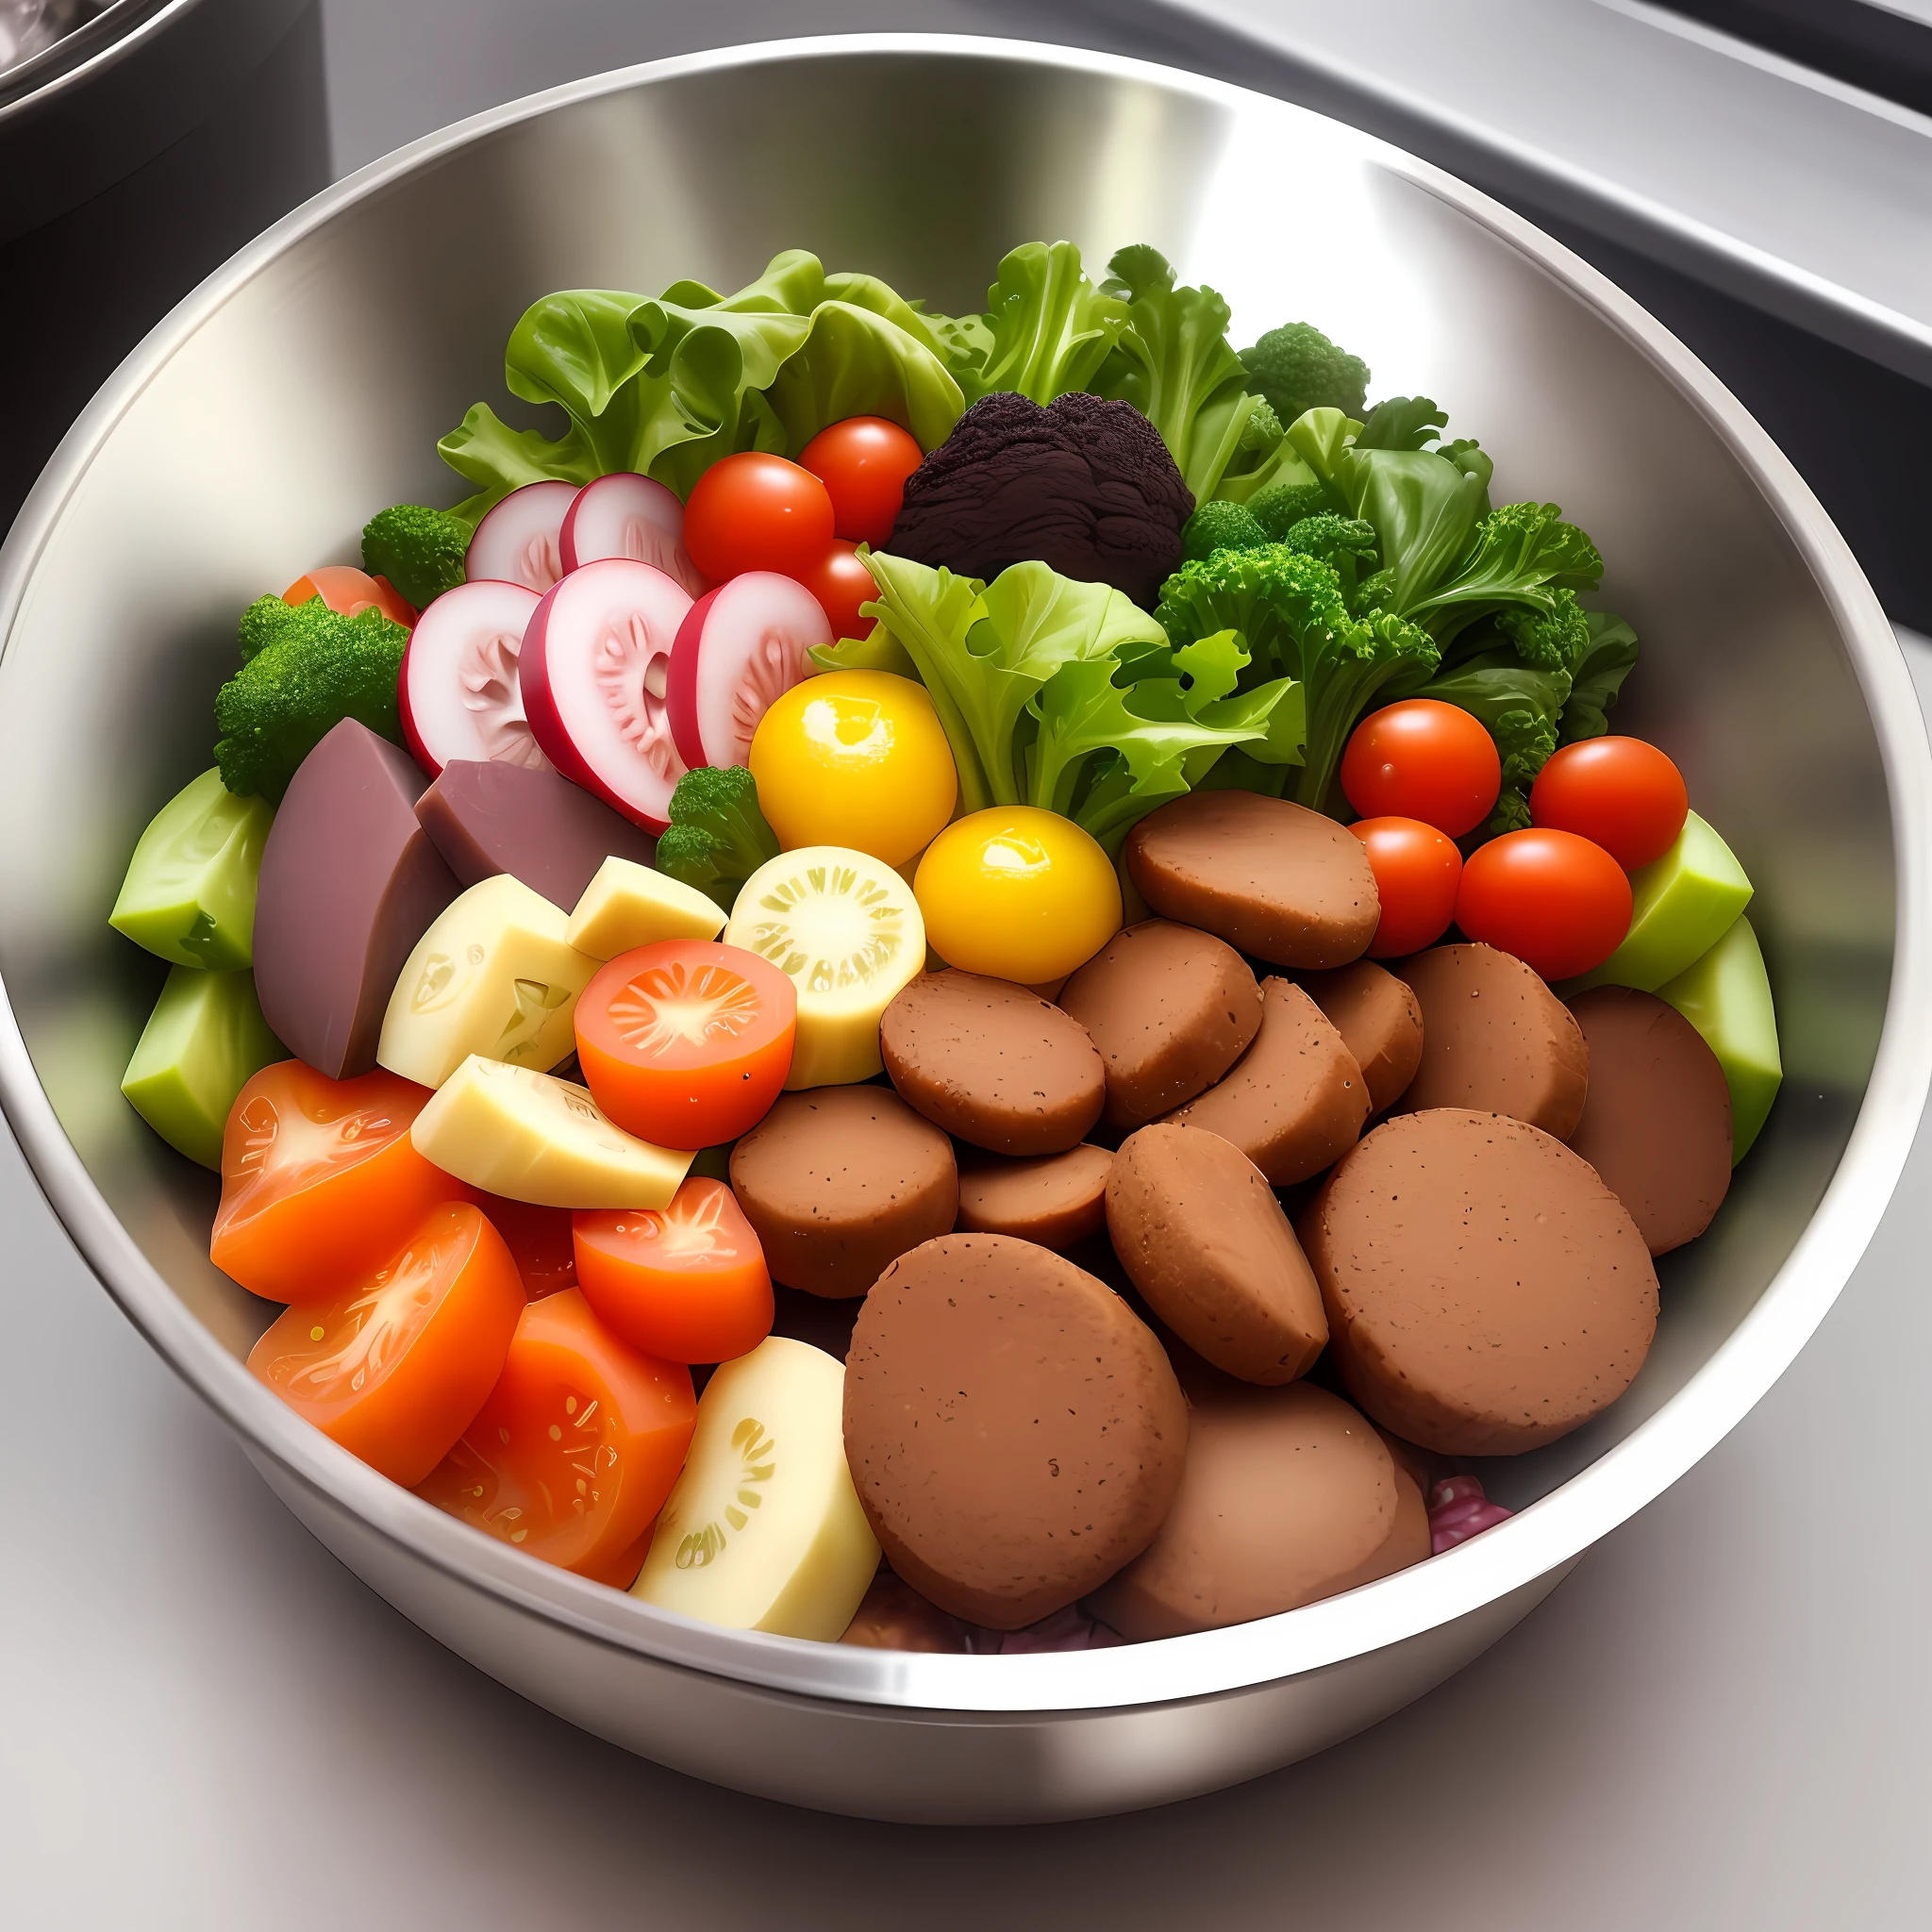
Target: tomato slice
column 686, row 1043
column 320, row 1183
column 396, row 1367
column 686, row 1282
column 572, row 1455
column 350, row 591
column 538, row 1239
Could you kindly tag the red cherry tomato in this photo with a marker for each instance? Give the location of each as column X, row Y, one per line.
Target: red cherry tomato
column 1622, row 793
column 686, row 1042
column 1560, row 903
column 686, row 1282
column 343, row 587
column 578, row 1446
column 754, row 511
column 841, row 584
column 1422, row 760
column 1417, row 870
column 863, row 462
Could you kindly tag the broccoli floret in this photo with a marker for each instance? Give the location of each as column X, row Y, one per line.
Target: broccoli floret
column 305, row 668
column 1291, row 612
column 718, row 837
column 420, row 551
column 1297, row 367
column 1220, row 525
column 1263, row 429
column 1280, row 507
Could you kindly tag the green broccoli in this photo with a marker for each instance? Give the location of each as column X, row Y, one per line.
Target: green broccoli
column 1290, row 610
column 1220, row 526
column 420, row 551
column 1263, row 428
column 1280, row 507
column 718, row 837
column 1346, row 542
column 1297, row 367
column 305, row 668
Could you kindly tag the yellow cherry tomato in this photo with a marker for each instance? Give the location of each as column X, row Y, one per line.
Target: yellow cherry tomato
column 857, row 759
column 1017, row 893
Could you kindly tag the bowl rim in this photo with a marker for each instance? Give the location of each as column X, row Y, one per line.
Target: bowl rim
column 1544, row 1537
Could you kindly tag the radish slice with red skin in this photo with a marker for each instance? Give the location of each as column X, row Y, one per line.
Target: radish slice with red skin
column 460, row 693
column 596, row 659
column 627, row 515
column 517, row 543
column 741, row 648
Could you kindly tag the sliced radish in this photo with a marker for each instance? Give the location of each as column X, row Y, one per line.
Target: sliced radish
column 517, row 543
column 739, row 650
column 461, row 695
column 627, row 515
column 596, row 659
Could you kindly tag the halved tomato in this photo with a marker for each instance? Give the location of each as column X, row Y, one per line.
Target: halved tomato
column 686, row 1043
column 578, row 1446
column 538, row 1239
column 396, row 1367
column 686, row 1282
column 350, row 591
column 320, row 1183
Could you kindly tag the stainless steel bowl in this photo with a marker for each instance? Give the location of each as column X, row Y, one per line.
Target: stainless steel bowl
column 304, row 385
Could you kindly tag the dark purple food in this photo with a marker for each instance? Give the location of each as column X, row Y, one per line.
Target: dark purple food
column 490, row 817
column 1086, row 487
column 349, row 883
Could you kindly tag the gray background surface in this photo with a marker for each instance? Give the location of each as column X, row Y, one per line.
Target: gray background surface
column 1721, row 1720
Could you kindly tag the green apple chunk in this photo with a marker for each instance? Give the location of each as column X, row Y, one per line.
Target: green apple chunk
column 1682, row 905
column 190, row 890
column 1726, row 996
column 204, row 1041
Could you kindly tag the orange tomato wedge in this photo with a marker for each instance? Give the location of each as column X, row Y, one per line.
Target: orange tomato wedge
column 343, row 587
column 686, row 1282
column 396, row 1367
column 539, row 1241
column 320, row 1183
column 686, row 1043
column 577, row 1448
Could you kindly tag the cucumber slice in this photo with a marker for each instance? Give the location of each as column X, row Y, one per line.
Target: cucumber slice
column 190, row 890
column 1726, row 996
column 1683, row 903
column 204, row 1042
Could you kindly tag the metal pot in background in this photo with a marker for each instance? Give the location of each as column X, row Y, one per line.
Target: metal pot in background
column 140, row 146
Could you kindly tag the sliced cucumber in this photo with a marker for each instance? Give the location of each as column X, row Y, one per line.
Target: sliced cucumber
column 205, row 1040
column 190, row 890
column 1726, row 996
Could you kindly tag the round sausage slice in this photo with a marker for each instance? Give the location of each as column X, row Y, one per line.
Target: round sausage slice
column 837, row 1181
column 1013, row 1429
column 1485, row 1292
column 1277, row 880
column 1294, row 1103
column 1380, row 1020
column 1288, row 1496
column 1657, row 1122
column 994, row 1063
column 1170, row 1008
column 1495, row 1038
column 1053, row 1199
column 1203, row 1238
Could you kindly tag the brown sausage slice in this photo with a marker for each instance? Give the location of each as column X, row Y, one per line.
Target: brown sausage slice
column 1380, row 1020
column 837, row 1181
column 1288, row 1496
column 1170, row 1008
column 1294, row 1103
column 1204, row 1241
column 1656, row 1123
column 994, row 1063
column 1277, row 880
column 1496, row 1040
column 1013, row 1429
column 1486, row 1293
column 1053, row 1199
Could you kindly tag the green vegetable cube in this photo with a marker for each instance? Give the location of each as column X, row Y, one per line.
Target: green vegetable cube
column 204, row 1041
column 190, row 890
column 1726, row 996
column 1685, row 902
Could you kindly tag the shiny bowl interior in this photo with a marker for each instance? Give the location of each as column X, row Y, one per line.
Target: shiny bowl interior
column 304, row 385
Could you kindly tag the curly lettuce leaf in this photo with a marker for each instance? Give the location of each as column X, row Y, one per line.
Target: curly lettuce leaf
column 1049, row 327
column 857, row 362
column 1522, row 554
column 1605, row 662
